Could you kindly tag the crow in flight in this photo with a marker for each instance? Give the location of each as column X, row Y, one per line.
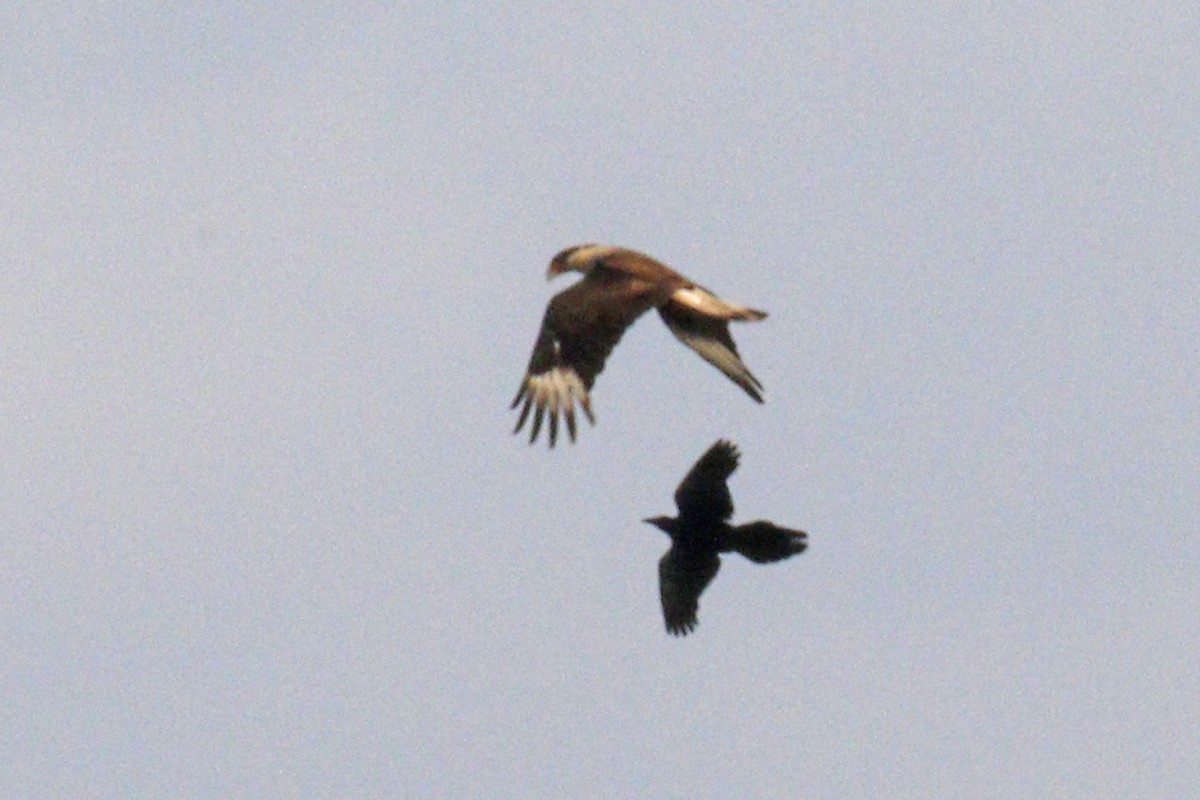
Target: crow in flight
column 583, row 324
column 702, row 530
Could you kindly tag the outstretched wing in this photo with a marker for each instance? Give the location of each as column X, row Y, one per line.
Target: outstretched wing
column 681, row 579
column 709, row 336
column 581, row 327
column 703, row 496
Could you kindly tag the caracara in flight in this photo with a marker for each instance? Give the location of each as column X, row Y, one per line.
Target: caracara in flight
column 702, row 530
column 584, row 323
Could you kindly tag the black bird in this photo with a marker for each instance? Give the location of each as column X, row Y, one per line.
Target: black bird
column 702, row 530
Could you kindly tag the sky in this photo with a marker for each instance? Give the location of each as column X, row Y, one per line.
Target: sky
column 269, row 279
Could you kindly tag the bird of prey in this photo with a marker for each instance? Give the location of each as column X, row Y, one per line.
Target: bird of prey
column 584, row 323
column 702, row 530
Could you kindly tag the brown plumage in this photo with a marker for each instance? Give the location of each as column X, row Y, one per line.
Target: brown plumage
column 583, row 324
column 702, row 531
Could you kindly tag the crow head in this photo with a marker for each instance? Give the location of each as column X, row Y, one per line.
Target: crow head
column 665, row 524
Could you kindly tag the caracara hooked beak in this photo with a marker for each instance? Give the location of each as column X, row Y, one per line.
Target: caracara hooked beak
column 580, row 258
column 559, row 264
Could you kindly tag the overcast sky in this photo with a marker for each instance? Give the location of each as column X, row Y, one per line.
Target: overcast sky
column 270, row 278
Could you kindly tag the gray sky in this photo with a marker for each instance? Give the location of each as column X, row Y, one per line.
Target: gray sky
column 270, row 279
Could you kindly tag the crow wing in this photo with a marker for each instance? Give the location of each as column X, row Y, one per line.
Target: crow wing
column 682, row 576
column 703, row 496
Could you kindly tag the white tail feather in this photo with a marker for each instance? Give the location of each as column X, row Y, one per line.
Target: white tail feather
column 705, row 302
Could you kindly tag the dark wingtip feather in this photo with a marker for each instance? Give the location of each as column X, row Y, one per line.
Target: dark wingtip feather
column 524, row 412
column 729, row 450
column 752, row 386
column 681, row 628
column 537, row 423
column 520, row 393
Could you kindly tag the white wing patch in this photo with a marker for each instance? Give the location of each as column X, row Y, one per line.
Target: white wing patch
column 558, row 390
column 550, row 393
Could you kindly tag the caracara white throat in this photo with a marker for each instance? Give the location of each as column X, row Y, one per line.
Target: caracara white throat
column 584, row 323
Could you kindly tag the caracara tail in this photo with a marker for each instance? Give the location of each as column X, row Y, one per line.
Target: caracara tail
column 707, row 304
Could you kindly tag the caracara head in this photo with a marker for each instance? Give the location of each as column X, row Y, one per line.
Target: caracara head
column 580, row 258
column 665, row 524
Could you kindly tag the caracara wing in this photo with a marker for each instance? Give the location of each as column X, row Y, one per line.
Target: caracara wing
column 682, row 576
column 709, row 336
column 641, row 267
column 581, row 327
column 703, row 496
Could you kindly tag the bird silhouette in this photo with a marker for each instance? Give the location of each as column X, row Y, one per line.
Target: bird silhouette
column 702, row 531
